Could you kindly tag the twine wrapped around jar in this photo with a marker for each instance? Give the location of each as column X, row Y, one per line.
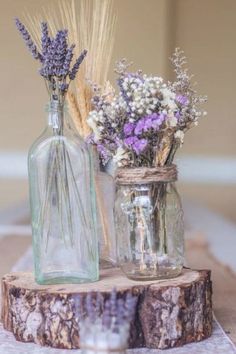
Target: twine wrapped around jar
column 145, row 175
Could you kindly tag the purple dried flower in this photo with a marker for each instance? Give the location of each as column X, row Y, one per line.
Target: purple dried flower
column 111, row 315
column 148, row 123
column 120, row 312
column 28, row 40
column 79, row 308
column 90, row 139
column 45, row 39
column 106, row 317
column 60, row 52
column 139, row 127
column 90, row 307
column 77, row 64
column 99, row 307
column 178, row 115
column 129, row 128
column 113, row 302
column 56, row 59
column 157, row 120
column 122, row 90
column 68, row 60
column 48, row 67
column 139, row 146
column 55, row 56
column 130, row 305
column 117, row 141
column 103, row 152
column 183, row 100
column 130, row 141
column 64, row 87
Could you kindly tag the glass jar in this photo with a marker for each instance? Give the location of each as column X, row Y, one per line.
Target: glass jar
column 150, row 229
column 63, row 204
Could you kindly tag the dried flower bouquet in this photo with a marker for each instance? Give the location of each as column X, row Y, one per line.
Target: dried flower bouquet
column 140, row 130
column 145, row 123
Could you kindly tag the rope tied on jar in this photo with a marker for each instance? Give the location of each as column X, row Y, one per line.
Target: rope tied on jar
column 146, row 175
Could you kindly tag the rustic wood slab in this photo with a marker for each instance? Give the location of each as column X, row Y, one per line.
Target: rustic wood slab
column 170, row 312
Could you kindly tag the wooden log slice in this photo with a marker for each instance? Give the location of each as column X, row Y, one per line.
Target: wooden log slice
column 169, row 313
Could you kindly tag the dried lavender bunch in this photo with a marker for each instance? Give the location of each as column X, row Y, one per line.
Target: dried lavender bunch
column 57, row 68
column 110, row 315
column 105, row 324
column 55, row 57
column 144, row 124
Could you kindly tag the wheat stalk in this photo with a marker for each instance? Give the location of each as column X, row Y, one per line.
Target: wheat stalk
column 91, row 26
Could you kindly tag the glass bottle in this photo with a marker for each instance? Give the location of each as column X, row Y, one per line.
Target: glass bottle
column 105, row 196
column 63, row 204
column 150, row 230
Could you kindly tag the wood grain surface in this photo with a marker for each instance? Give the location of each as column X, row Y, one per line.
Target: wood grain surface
column 169, row 312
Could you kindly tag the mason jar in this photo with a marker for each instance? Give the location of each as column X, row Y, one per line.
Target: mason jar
column 149, row 223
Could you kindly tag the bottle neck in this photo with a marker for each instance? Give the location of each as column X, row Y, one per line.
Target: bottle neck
column 56, row 116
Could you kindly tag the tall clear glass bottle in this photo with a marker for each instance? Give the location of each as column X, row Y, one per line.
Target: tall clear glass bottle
column 63, row 204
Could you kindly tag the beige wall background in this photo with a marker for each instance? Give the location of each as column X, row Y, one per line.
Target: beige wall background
column 147, row 32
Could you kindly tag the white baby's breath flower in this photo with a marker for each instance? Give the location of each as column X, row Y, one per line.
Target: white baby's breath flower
column 153, row 91
column 120, row 155
column 179, row 135
column 91, row 121
column 172, row 121
column 168, row 98
column 155, row 101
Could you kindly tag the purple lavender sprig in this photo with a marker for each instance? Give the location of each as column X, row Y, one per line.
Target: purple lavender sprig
column 60, row 52
column 45, row 39
column 28, row 40
column 77, row 64
column 90, row 308
column 99, row 305
column 68, row 60
column 56, row 58
column 106, row 316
